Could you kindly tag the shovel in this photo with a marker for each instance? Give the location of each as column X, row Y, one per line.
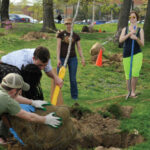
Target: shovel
column 11, row 130
column 130, row 74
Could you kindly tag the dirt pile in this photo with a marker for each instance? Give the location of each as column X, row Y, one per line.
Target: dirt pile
column 86, row 130
column 43, row 137
column 115, row 59
column 126, row 111
column 94, row 130
column 78, row 112
column 94, row 51
column 89, row 29
column 35, row 36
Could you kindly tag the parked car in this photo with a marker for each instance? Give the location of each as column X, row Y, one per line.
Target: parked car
column 97, row 22
column 78, row 22
column 18, row 18
column 55, row 20
column 41, row 21
column 141, row 21
column 31, row 20
column 113, row 21
column 85, row 22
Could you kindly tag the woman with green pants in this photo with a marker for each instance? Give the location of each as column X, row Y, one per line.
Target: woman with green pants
column 127, row 35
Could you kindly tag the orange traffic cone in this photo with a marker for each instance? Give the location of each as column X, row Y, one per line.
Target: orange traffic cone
column 100, row 30
column 99, row 58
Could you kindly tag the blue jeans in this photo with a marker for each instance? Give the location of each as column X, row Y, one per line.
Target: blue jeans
column 72, row 65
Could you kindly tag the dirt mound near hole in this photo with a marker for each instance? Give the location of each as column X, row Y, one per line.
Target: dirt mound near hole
column 91, row 129
column 43, row 137
column 115, row 59
column 94, row 51
column 96, row 48
column 35, row 36
column 86, row 130
column 94, row 130
column 88, row 29
column 79, row 112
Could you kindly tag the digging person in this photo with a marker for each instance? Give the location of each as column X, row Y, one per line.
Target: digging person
column 11, row 86
column 31, row 74
column 39, row 56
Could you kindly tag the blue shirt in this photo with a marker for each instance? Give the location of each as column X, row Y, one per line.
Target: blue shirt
column 22, row 57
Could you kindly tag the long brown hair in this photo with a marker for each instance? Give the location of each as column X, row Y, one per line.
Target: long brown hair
column 137, row 15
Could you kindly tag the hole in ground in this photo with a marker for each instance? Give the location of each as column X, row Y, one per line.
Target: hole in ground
column 93, row 130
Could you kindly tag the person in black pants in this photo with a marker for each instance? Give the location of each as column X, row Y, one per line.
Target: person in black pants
column 59, row 17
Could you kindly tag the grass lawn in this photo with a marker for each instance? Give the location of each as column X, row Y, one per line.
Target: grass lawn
column 94, row 83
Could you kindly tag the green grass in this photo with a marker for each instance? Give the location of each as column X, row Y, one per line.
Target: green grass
column 94, row 83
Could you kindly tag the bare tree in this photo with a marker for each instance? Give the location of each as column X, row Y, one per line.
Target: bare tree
column 123, row 16
column 147, row 23
column 4, row 11
column 48, row 17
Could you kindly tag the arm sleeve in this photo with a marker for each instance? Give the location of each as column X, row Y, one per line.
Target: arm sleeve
column 77, row 38
column 60, row 35
column 13, row 107
column 48, row 67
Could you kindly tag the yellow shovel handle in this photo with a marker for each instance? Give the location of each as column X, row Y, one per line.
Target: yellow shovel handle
column 61, row 75
column 55, row 95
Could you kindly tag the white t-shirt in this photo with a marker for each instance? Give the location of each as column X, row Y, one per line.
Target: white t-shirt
column 22, row 57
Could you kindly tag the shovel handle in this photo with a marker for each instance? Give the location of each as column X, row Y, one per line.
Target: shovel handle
column 61, row 75
column 130, row 73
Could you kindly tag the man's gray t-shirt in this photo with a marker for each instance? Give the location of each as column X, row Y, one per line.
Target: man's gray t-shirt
column 22, row 57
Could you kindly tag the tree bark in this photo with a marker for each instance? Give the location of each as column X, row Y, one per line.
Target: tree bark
column 0, row 6
column 147, row 23
column 48, row 17
column 4, row 11
column 123, row 17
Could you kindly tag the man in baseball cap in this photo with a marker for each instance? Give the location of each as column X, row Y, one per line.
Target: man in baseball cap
column 10, row 87
column 15, row 81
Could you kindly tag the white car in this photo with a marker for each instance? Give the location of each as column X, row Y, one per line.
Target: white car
column 30, row 18
column 55, row 20
column 41, row 21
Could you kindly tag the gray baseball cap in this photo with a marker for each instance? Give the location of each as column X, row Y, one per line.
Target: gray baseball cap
column 14, row 80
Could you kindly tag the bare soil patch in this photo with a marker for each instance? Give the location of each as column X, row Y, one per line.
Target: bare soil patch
column 35, row 36
column 86, row 130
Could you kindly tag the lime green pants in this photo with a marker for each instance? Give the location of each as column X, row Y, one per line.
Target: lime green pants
column 136, row 65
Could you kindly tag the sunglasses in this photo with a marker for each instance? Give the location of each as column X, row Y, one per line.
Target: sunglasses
column 132, row 17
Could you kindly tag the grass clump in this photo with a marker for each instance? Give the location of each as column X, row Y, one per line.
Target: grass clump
column 105, row 114
column 115, row 110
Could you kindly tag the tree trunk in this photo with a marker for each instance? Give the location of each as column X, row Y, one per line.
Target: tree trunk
column 147, row 23
column 48, row 17
column 4, row 11
column 0, row 6
column 123, row 17
column 132, row 5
